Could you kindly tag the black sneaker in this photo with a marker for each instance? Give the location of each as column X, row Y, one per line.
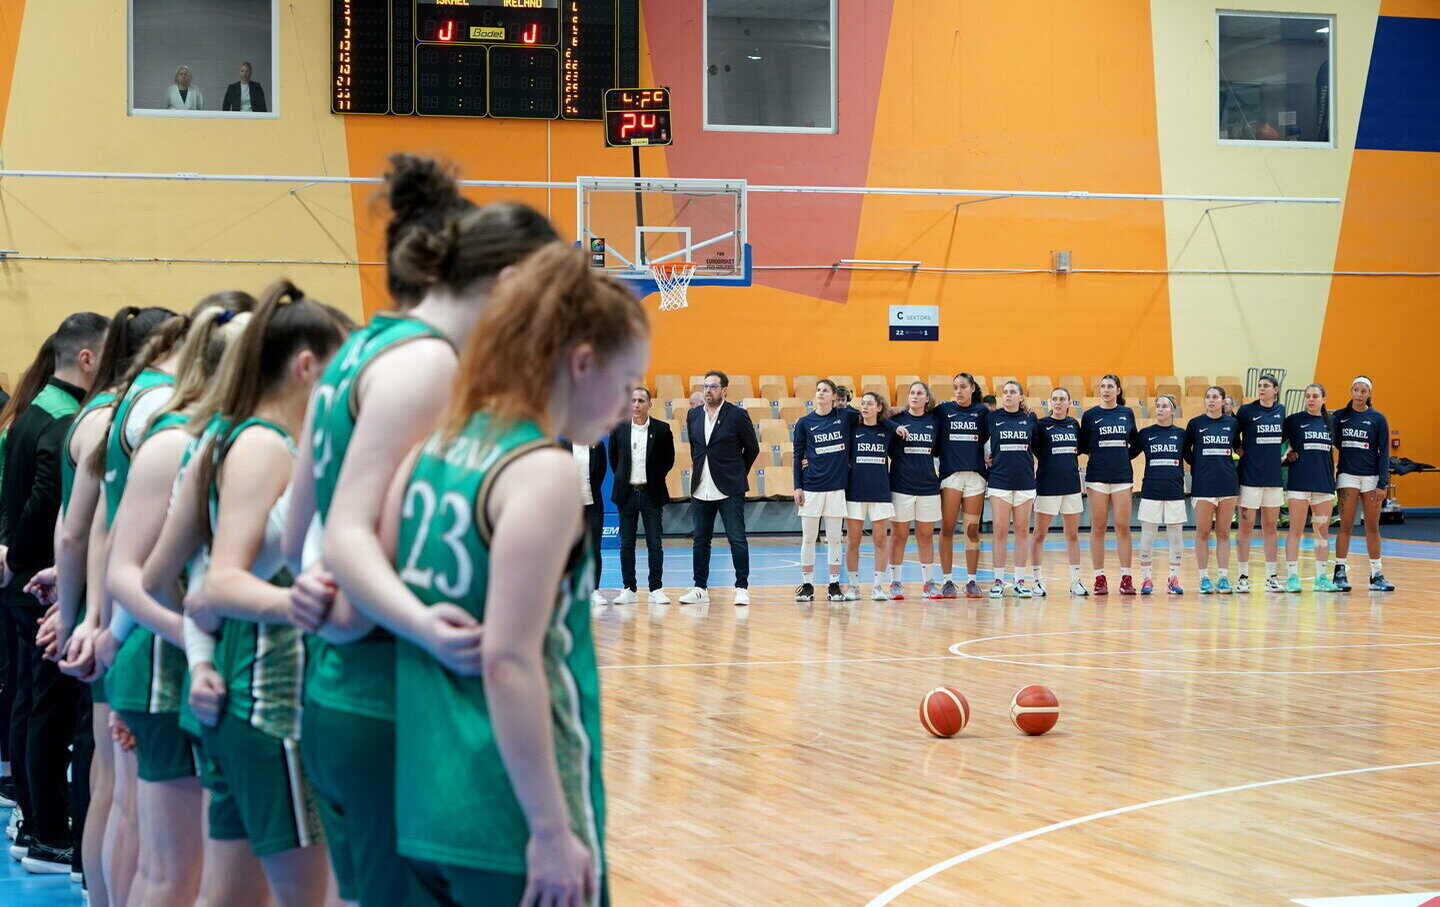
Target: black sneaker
column 1378, row 583
column 46, row 860
column 835, row 593
column 804, row 593
column 7, row 791
column 1342, row 578
column 23, row 842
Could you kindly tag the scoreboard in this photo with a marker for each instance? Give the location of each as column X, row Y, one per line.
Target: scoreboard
column 530, row 59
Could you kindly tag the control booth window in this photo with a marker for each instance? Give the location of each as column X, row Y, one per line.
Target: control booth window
column 770, row 65
column 204, row 58
column 1276, row 78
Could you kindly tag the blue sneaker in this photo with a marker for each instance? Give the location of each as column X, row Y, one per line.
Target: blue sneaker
column 1223, row 586
column 1206, row 587
column 1292, row 584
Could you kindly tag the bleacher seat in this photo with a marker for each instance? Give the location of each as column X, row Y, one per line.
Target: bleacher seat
column 843, row 380
column 772, row 431
column 1195, row 385
column 1038, row 385
column 757, row 408
column 668, row 387
column 1171, row 388
column 774, row 392
column 1075, row 384
column 779, row 482
column 1234, row 387
column 791, row 414
column 677, row 408
column 1192, row 405
column 741, row 386
column 805, row 386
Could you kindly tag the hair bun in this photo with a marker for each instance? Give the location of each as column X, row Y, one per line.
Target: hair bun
column 417, row 185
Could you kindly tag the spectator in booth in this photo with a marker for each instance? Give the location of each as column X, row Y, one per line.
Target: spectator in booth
column 245, row 95
column 723, row 446
column 642, row 453
column 590, row 469
column 183, row 95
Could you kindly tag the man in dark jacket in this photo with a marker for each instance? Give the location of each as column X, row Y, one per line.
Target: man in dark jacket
column 49, row 710
column 723, row 446
column 245, row 95
column 642, row 453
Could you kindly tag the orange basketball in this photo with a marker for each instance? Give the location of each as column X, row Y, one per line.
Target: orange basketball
column 1034, row 709
column 944, row 711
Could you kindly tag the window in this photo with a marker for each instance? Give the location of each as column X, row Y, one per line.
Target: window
column 1276, row 79
column 770, row 65
column 204, row 58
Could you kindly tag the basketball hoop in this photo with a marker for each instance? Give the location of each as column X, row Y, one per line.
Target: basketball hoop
column 672, row 278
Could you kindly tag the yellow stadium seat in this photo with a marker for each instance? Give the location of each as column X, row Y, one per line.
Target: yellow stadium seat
column 669, row 386
column 1192, row 405
column 779, row 482
column 757, row 409
column 1169, row 388
column 774, row 379
column 675, row 484
column 741, row 386
column 791, row 414
column 843, row 380
column 773, row 392
column 1038, row 385
column 867, row 380
column 1075, row 384
column 1195, row 385
column 805, row 386
column 772, row 431
column 677, row 408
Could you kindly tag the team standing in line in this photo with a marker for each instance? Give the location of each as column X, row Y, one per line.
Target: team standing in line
column 311, row 573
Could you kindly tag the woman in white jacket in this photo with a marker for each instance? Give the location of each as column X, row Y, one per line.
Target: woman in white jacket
column 182, row 95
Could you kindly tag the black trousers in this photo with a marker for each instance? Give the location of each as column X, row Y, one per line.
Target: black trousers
column 80, row 758
column 22, row 621
column 732, row 511
column 595, row 525
column 638, row 507
column 8, row 679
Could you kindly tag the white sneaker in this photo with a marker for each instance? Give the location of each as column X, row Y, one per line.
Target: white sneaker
column 658, row 597
column 626, row 597
column 1273, row 584
column 742, row 596
column 852, row 593
column 695, row 596
column 597, row 599
column 877, row 593
column 1078, row 588
column 1040, row 588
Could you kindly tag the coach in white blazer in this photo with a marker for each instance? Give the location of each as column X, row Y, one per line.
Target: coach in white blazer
column 183, row 95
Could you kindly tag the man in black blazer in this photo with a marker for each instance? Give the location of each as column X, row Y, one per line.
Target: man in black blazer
column 590, row 471
column 642, row 453
column 724, row 447
column 245, row 95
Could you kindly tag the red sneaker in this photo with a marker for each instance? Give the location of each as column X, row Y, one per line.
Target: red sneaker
column 1101, row 586
column 1127, row 585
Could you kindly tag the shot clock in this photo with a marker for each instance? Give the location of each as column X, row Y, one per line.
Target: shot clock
column 532, row 59
column 637, row 116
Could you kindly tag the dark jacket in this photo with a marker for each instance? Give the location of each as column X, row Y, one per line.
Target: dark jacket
column 659, row 460
column 732, row 449
column 597, row 468
column 257, row 98
column 30, row 494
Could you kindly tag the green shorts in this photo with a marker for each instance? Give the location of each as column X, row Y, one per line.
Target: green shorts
column 449, row 884
column 162, row 751
column 350, row 761
column 263, row 777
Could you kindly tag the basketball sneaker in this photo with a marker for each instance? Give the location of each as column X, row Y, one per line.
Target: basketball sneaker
column 1206, row 587
column 1341, row 578
column 852, row 593
column 1242, row 584
column 972, row 590
column 1172, row 586
column 1324, row 584
column 1040, row 589
column 695, row 596
column 626, row 597
column 1222, row 585
column 931, row 590
column 1292, row 583
column 1078, row 588
column 997, row 589
column 1147, row 586
column 658, row 597
column 949, row 590
column 897, row 591
column 1378, row 583
column 742, row 597
column 804, row 593
column 1102, row 586
column 1272, row 584
column 1127, row 585
column 42, row 859
column 1022, row 589
column 597, row 600
column 877, row 593
column 834, row 593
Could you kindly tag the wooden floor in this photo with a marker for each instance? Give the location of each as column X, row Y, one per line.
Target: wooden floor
column 774, row 756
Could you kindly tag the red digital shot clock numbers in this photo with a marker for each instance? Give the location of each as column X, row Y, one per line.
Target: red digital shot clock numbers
column 637, row 116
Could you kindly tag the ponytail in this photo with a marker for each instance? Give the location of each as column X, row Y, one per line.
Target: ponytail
column 284, row 323
column 30, row 384
column 128, row 330
column 210, row 333
column 548, row 305
column 157, row 346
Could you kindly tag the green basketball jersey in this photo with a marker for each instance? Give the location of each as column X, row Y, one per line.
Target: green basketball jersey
column 217, row 426
column 357, row 677
column 67, row 458
column 263, row 664
column 149, row 671
column 459, row 805
column 117, row 451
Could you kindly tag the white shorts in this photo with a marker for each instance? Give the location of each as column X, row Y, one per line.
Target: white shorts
column 1311, row 497
column 1109, row 487
column 1364, row 483
column 1167, row 512
column 968, row 484
column 823, row 503
column 922, row 508
column 874, row 511
column 1253, row 497
column 1214, row 502
column 1011, row 497
column 1060, row 503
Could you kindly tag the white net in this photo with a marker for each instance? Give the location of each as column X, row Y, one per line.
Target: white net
column 673, row 281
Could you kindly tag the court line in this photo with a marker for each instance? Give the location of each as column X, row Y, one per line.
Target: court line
column 1355, row 645
column 905, row 885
